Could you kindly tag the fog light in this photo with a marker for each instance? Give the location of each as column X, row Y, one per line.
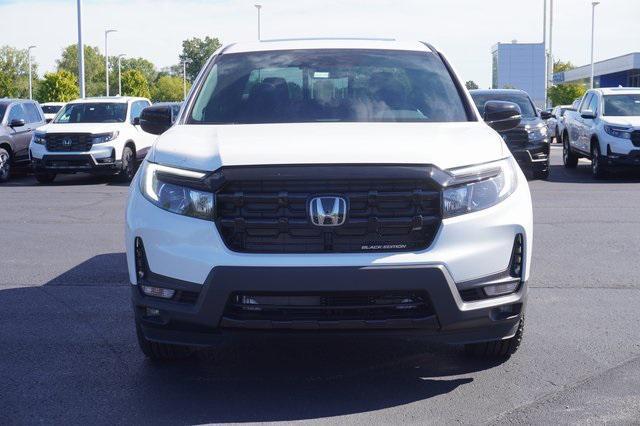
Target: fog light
column 500, row 289
column 152, row 312
column 164, row 293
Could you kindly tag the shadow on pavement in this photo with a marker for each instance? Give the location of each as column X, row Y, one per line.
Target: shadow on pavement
column 582, row 174
column 77, row 179
column 73, row 350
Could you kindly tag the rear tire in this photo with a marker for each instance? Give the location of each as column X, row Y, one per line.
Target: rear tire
column 5, row 165
column 45, row 177
column 497, row 349
column 161, row 351
column 569, row 158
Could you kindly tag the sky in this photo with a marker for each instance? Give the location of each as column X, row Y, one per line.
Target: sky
column 464, row 30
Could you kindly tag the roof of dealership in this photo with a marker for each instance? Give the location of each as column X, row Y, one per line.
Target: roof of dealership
column 627, row 62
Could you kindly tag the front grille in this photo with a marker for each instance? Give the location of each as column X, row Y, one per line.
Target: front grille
column 515, row 136
column 333, row 306
column 67, row 161
column 68, row 142
column 635, row 137
column 272, row 216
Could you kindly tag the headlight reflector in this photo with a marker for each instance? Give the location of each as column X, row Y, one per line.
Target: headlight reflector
column 174, row 197
column 488, row 184
column 39, row 138
column 104, row 137
column 618, row 131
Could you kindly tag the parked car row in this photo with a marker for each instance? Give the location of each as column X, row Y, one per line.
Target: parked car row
column 604, row 128
column 93, row 135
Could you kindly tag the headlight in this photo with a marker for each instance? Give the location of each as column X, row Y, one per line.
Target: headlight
column 487, row 185
column 104, row 137
column 618, row 131
column 39, row 138
column 536, row 133
column 160, row 185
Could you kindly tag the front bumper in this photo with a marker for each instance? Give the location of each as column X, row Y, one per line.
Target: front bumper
column 532, row 156
column 100, row 160
column 630, row 160
column 204, row 320
column 188, row 255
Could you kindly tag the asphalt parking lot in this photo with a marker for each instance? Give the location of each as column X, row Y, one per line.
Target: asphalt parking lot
column 68, row 351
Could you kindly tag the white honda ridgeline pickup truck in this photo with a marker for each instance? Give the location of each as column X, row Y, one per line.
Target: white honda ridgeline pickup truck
column 329, row 186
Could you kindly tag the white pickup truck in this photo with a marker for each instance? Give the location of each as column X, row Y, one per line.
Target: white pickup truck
column 605, row 129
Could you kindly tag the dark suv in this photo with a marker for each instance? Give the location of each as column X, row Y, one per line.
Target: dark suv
column 529, row 142
column 18, row 119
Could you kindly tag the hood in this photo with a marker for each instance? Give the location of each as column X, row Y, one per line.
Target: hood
column 81, row 127
column 446, row 145
column 623, row 121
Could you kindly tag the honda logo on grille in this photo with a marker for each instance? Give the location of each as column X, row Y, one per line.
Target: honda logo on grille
column 67, row 142
column 328, row 211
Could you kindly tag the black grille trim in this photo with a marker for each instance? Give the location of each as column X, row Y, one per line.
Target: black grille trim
column 635, row 138
column 515, row 137
column 266, row 210
column 283, row 310
column 80, row 142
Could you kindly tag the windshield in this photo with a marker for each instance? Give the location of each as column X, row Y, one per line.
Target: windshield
column 51, row 109
column 622, row 105
column 327, row 86
column 98, row 112
column 526, row 107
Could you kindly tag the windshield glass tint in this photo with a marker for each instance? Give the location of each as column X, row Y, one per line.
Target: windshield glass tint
column 622, row 105
column 51, row 109
column 327, row 85
column 526, row 107
column 99, row 112
column 3, row 108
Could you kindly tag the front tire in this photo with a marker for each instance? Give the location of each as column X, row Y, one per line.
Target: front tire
column 597, row 168
column 497, row 349
column 569, row 158
column 128, row 170
column 44, row 177
column 160, row 351
column 5, row 165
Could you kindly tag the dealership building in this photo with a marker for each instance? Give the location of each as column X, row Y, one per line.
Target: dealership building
column 619, row 71
column 520, row 66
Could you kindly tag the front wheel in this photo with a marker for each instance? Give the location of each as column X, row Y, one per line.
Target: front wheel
column 128, row 170
column 597, row 168
column 497, row 349
column 5, row 165
column 44, row 177
column 569, row 158
column 160, row 351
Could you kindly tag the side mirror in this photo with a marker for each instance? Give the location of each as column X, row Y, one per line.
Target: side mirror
column 501, row 115
column 156, row 119
column 136, row 121
column 546, row 115
column 49, row 120
column 17, row 122
column 588, row 114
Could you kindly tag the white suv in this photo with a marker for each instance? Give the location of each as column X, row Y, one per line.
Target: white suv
column 92, row 135
column 605, row 129
column 318, row 186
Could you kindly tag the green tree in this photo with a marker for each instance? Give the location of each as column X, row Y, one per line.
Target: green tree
column 6, row 88
column 565, row 94
column 197, row 51
column 560, row 66
column 93, row 67
column 14, row 65
column 146, row 67
column 61, row 86
column 471, row 85
column 135, row 84
column 168, row 88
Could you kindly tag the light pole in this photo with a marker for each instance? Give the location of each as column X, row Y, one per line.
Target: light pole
column 258, row 7
column 106, row 57
column 80, row 51
column 120, row 73
column 550, row 60
column 593, row 20
column 544, row 48
column 30, row 85
column 184, row 79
